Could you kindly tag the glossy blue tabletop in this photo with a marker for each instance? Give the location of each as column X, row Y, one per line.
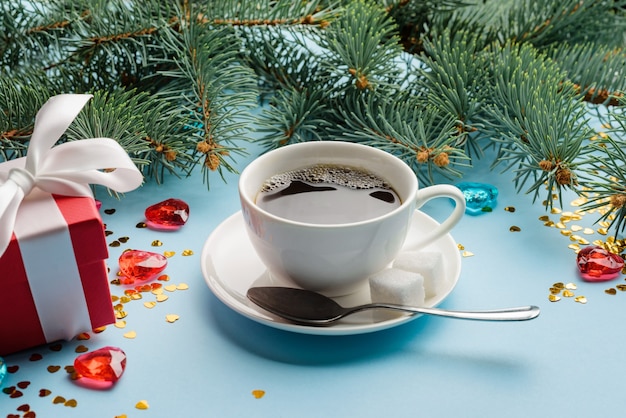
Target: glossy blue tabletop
column 214, row 362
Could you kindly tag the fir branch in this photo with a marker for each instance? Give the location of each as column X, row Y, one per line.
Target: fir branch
column 208, row 83
column 537, row 120
column 417, row 133
column 604, row 179
column 598, row 71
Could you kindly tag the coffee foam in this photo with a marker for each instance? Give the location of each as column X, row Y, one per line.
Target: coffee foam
column 351, row 177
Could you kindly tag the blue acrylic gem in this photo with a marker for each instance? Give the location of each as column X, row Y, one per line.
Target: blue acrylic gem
column 3, row 370
column 479, row 197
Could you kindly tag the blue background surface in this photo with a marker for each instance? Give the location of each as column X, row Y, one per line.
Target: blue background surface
column 568, row 362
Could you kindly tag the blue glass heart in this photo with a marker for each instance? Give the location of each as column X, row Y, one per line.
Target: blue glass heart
column 479, row 197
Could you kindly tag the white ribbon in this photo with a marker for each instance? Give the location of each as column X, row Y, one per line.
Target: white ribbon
column 66, row 169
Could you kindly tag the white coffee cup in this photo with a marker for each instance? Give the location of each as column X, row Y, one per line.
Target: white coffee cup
column 337, row 259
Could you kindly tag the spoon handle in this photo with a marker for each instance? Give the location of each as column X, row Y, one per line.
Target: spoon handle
column 521, row 313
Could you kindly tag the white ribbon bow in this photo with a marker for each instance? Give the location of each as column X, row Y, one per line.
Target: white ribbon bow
column 66, row 169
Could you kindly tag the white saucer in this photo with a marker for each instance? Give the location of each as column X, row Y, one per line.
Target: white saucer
column 230, row 267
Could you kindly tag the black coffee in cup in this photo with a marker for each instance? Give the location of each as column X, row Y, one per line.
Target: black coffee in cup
column 327, row 194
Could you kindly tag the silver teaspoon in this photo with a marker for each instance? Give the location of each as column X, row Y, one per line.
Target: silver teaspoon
column 311, row 308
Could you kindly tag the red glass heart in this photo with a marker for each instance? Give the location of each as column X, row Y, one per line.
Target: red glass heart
column 597, row 264
column 140, row 265
column 168, row 214
column 105, row 364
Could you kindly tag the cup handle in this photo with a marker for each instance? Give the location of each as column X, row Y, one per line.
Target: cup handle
column 432, row 192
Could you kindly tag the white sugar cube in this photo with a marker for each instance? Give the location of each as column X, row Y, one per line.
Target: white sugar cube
column 427, row 263
column 397, row 286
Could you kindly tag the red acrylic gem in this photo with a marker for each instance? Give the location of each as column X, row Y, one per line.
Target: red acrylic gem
column 597, row 264
column 140, row 265
column 105, row 364
column 168, row 214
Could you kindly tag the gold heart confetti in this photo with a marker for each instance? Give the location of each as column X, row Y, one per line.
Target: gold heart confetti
column 143, row 404
column 187, row 253
column 120, row 324
column 171, row 318
column 580, row 299
column 150, row 304
column 72, row 403
column 467, row 254
column 81, row 349
column 58, row 400
column 170, row 287
column 169, row 254
column 182, row 286
column 130, row 335
column 554, row 298
column 162, row 298
column 54, row 369
column 258, row 393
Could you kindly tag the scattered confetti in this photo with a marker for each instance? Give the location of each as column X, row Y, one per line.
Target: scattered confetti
column 554, row 298
column 130, row 335
column 515, row 228
column 53, row 369
column 44, row 392
column 120, row 324
column 109, row 211
column 580, row 299
column 171, row 318
column 610, row 291
column 510, row 209
column 164, row 278
column 35, row 357
column 169, row 254
column 170, row 287
column 182, row 286
column 143, row 404
column 162, row 298
column 81, row 349
column 187, row 253
column 258, row 393
column 568, row 293
column 141, row 225
column 150, row 304
column 157, row 243
column 467, row 254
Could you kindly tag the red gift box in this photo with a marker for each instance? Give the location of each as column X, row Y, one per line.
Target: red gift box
column 53, row 275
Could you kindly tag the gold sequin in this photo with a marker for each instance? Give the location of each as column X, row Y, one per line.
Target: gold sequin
column 171, row 318
column 164, row 278
column 602, row 231
column 123, row 240
column 515, row 228
column 258, row 393
column 555, row 210
column 621, row 287
column 115, row 244
column 467, row 254
column 555, row 291
column 571, row 286
column 186, row 253
column 559, row 285
column 162, row 298
column 580, row 299
column 150, row 304
column 81, row 349
column 576, row 228
column 553, row 298
column 568, row 293
column 566, row 232
column 544, row 218
column 170, row 287
column 169, row 254
column 460, row 247
column 610, row 291
column 574, row 247
column 182, row 286
column 141, row 225
column 588, row 231
column 120, row 324
column 143, row 404
column 130, row 335
column 156, row 243
column 510, row 209
column 121, row 314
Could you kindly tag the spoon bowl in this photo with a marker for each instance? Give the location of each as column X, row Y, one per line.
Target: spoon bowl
column 311, row 308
